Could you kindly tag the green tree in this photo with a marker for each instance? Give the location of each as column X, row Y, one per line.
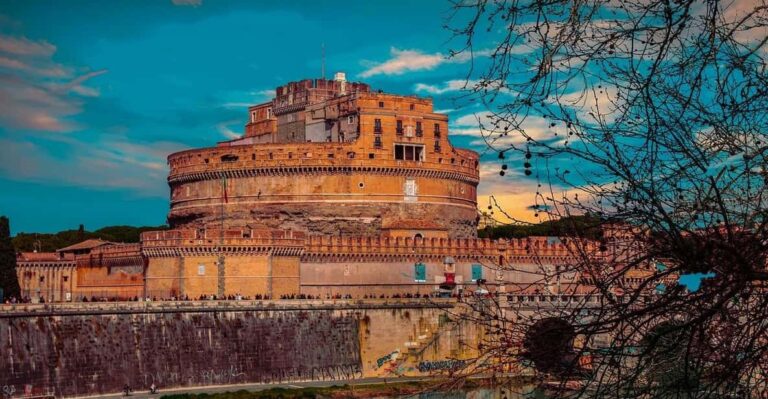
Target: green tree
column 8, row 280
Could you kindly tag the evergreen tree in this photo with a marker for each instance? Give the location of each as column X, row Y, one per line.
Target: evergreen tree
column 8, row 279
column 81, row 233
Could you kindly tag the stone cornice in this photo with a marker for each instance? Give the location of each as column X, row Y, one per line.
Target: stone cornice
column 317, row 170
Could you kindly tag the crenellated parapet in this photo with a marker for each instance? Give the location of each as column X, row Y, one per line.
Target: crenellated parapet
column 500, row 252
column 205, row 242
column 310, row 158
column 234, row 241
column 126, row 255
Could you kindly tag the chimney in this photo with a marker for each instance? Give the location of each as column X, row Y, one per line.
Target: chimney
column 341, row 77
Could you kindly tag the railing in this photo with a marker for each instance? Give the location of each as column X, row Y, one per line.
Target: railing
column 177, row 306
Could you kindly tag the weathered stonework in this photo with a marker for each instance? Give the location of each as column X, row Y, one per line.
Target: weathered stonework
column 99, row 348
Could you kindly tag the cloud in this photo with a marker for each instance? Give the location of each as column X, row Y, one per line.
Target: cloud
column 483, row 126
column 25, row 47
column 187, row 3
column 447, row 87
column 224, row 129
column 244, row 99
column 114, row 163
column 37, row 93
column 402, row 61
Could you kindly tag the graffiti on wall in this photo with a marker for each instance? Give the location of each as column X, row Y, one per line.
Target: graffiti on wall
column 390, row 357
column 440, row 365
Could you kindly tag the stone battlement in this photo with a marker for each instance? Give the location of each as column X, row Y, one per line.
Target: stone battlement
column 295, row 158
column 460, row 247
column 239, row 240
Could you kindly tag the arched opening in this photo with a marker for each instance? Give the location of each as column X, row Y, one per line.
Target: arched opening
column 548, row 344
column 418, row 236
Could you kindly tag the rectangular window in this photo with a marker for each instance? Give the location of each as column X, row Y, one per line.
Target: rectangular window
column 377, row 141
column 269, row 113
column 437, row 130
column 477, row 272
column 419, row 132
column 437, row 146
column 405, row 152
column 381, row 104
column 377, row 125
column 350, row 120
column 399, row 128
column 420, row 272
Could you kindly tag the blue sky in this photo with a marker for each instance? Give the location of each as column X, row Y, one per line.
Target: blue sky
column 94, row 95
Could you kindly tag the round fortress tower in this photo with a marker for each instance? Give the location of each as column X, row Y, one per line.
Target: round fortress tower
column 332, row 157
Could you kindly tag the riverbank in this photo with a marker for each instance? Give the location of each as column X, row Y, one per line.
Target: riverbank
column 362, row 391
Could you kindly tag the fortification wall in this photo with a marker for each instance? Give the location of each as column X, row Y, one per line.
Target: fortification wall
column 88, row 349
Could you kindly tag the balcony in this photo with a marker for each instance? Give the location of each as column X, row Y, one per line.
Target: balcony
column 419, row 133
column 399, row 131
column 377, row 129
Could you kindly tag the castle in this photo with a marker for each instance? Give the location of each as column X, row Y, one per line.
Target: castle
column 334, row 189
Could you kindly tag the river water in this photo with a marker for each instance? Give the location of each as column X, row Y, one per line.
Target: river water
column 480, row 393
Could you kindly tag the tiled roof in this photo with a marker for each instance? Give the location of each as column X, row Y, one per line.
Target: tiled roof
column 87, row 244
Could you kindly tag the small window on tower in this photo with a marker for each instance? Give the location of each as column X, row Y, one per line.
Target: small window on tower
column 413, row 106
column 381, row 104
column 350, row 120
